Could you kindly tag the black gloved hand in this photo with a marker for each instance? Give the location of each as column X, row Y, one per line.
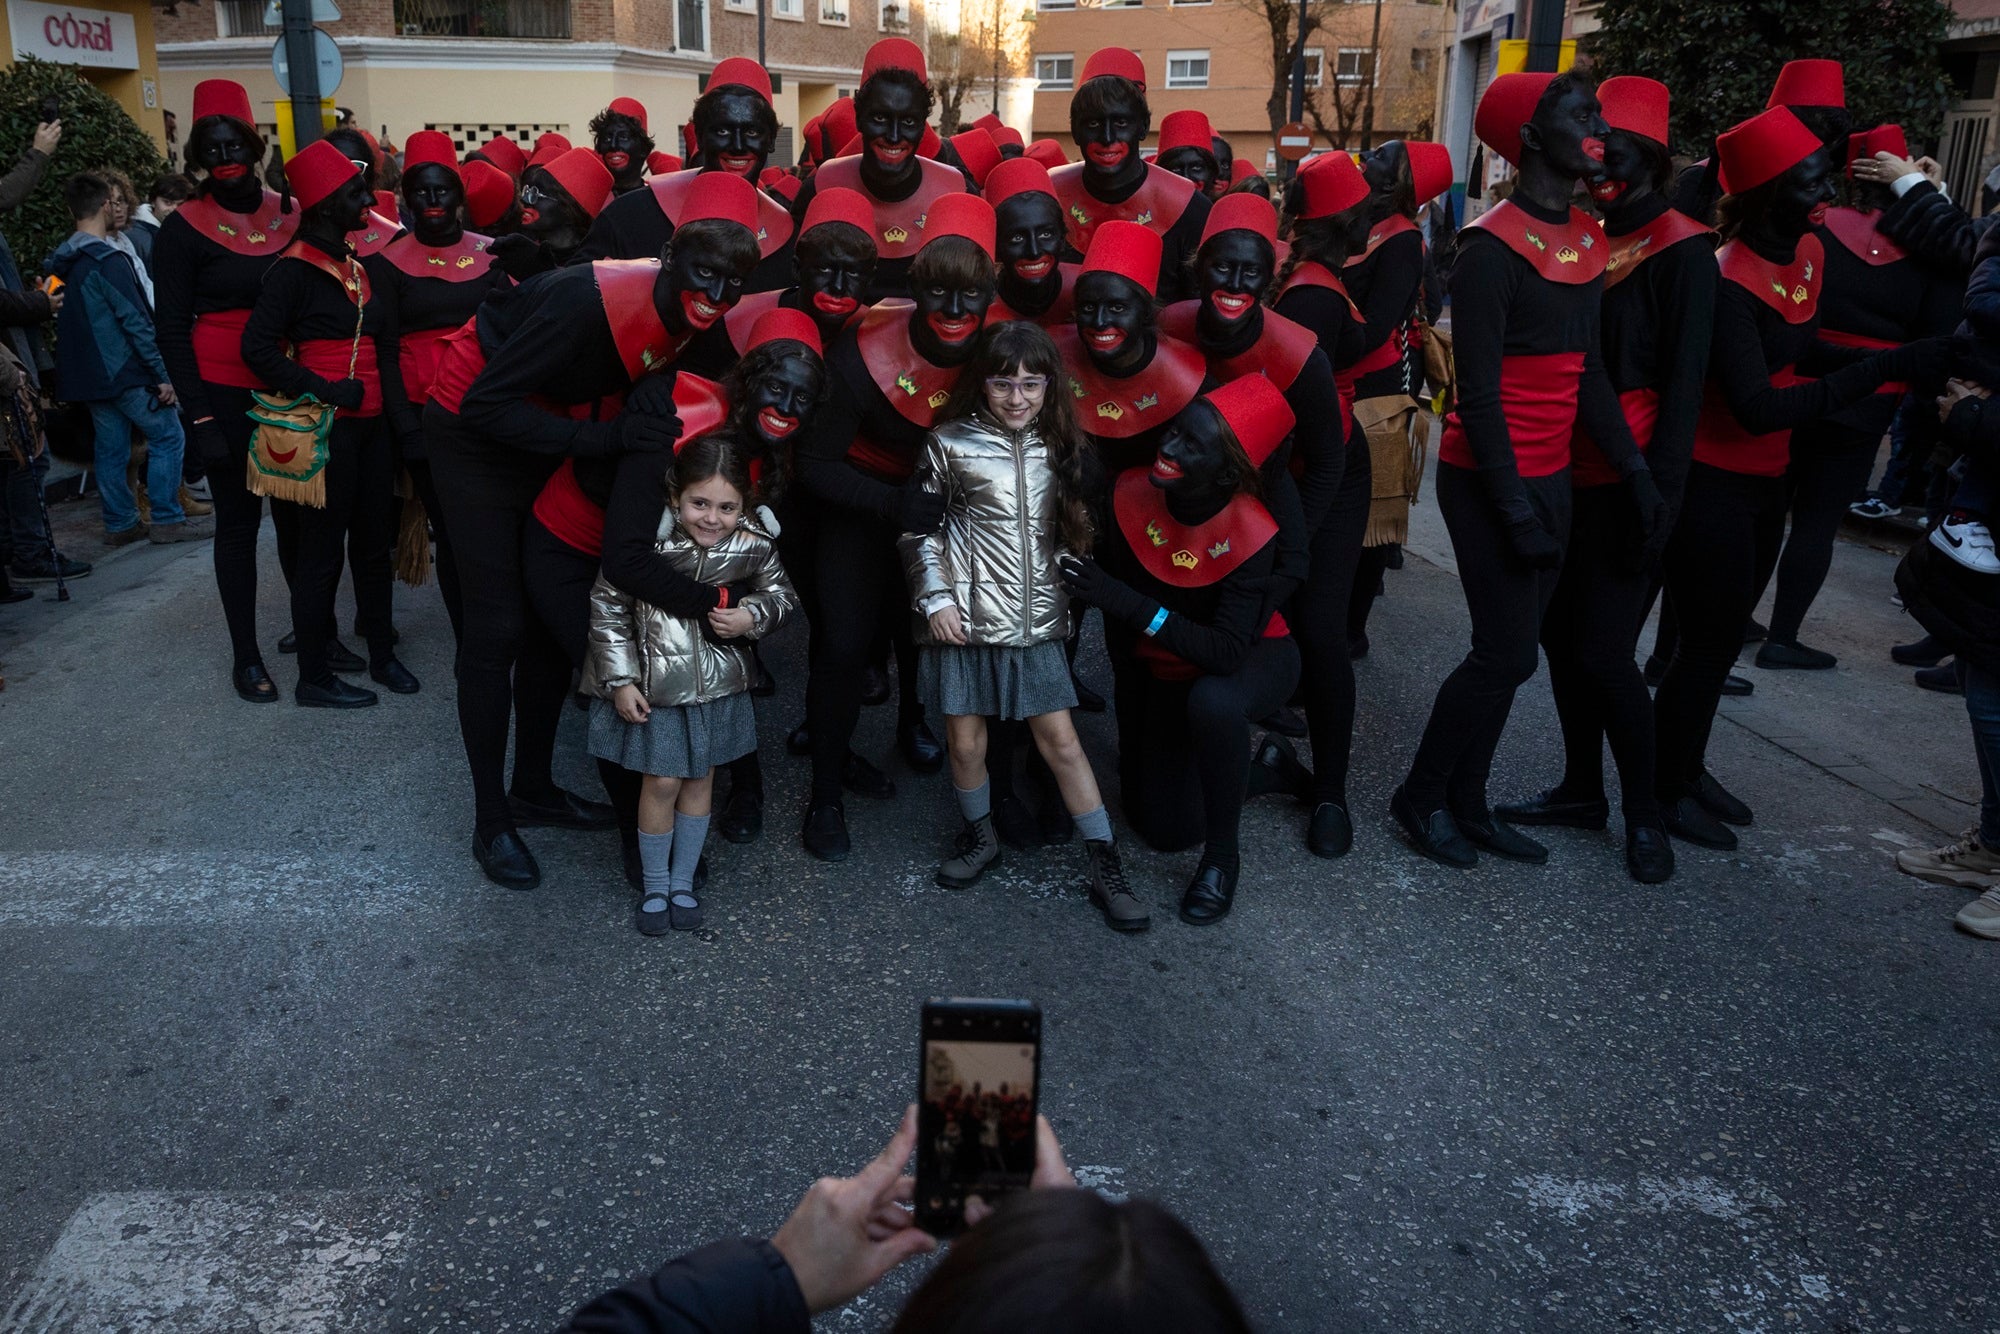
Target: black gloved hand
column 345, row 394
column 1533, row 545
column 210, row 448
column 1089, row 583
column 518, row 255
column 653, row 395
column 1652, row 510
column 919, row 510
column 641, row 433
column 1925, row 359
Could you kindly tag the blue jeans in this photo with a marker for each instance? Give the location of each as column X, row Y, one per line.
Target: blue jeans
column 112, row 420
column 1982, row 707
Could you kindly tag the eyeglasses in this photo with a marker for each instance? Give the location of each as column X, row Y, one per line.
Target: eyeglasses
column 1032, row 386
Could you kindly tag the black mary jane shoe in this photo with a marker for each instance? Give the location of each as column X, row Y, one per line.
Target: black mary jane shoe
column 565, row 811
column 1689, row 821
column 742, row 817
column 920, row 747
column 865, row 780
column 799, row 741
column 1551, row 807
column 334, row 693
column 655, row 915
column 825, row 832
column 684, row 912
column 874, row 686
column 394, row 676
column 1649, row 854
column 1718, row 801
column 1433, row 833
column 1496, row 836
column 1330, row 831
column 1209, row 896
column 254, row 684
column 1015, row 823
column 340, row 658
column 506, row 860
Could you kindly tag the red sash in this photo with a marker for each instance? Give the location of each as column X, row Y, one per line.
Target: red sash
column 1062, row 311
column 1630, row 251
column 570, row 515
column 915, row 388
column 218, row 349
column 1395, row 225
column 266, row 230
column 1538, row 398
column 418, row 355
column 774, row 220
column 899, row 225
column 373, row 236
column 1587, row 466
column 1841, row 338
column 1790, row 289
column 1120, row 409
column 626, row 288
column 1855, row 230
column 1279, row 353
column 329, row 359
column 1158, row 203
column 1572, row 252
column 1720, row 440
column 459, row 263
column 459, row 362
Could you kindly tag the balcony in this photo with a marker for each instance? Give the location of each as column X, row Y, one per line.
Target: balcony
column 546, row 19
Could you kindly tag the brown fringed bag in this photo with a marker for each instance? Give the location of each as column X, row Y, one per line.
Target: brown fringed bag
column 413, row 538
column 289, row 447
column 1399, row 440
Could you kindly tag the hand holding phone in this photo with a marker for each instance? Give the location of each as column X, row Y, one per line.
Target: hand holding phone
column 979, row 1089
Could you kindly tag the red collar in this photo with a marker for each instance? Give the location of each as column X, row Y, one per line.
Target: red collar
column 1060, row 312
column 459, row 263
column 774, row 220
column 1572, row 252
column 915, row 388
column 266, row 230
column 1312, row 273
column 1119, row 409
column 1856, row 233
column 1279, row 353
column 899, row 224
column 626, row 288
column 1176, row 554
column 374, row 235
column 1393, row 225
column 1790, row 289
column 352, row 278
column 1630, row 251
column 699, row 404
column 1158, row 202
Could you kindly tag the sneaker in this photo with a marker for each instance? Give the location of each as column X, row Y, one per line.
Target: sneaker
column 1872, row 508
column 124, row 537
column 1967, row 541
column 1981, row 916
column 47, row 571
column 1966, row 864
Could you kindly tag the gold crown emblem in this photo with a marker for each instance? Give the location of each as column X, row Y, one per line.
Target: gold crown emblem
column 1799, row 295
column 896, row 235
column 1149, row 401
column 906, row 384
column 1534, row 240
column 1110, row 410
column 465, row 261
column 939, row 399
column 1076, row 389
column 1567, row 255
column 1145, row 219
column 1220, row 549
column 225, row 229
column 1186, row 559
column 1082, row 218
column 257, row 238
column 434, row 259
column 1155, row 536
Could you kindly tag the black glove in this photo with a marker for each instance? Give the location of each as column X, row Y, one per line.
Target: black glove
column 639, row 433
column 413, row 446
column 652, row 395
column 1652, row 509
column 345, row 394
column 1533, row 545
column 518, row 255
column 918, row 510
column 1926, row 359
column 1088, row 583
column 210, row 448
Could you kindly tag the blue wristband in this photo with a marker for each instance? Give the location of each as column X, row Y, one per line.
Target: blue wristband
column 1159, row 619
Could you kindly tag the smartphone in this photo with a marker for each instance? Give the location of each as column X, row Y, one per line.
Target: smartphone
column 978, row 1091
column 51, row 109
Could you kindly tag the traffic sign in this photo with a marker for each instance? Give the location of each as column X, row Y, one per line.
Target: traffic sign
column 324, row 11
column 325, row 54
column 1294, row 142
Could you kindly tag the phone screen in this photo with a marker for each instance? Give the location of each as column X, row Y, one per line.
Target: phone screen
column 51, row 110
column 976, row 1108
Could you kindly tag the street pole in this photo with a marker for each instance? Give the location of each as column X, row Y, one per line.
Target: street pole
column 1374, row 77
column 761, row 5
column 996, row 57
column 1545, row 32
column 1299, row 84
column 302, row 63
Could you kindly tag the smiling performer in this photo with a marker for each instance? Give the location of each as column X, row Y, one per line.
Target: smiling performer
column 735, row 129
column 559, row 198
column 516, row 393
column 1187, row 149
column 892, row 375
column 1029, row 242
column 619, row 136
column 1525, row 297
column 890, row 109
column 1109, row 119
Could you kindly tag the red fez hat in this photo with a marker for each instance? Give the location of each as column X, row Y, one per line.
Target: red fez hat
column 1508, row 104
column 1333, row 184
column 931, row 144
column 1881, row 139
column 1017, row 176
column 374, row 147
column 784, row 186
column 1635, row 105
column 1430, row 169
column 961, row 215
column 742, row 72
column 894, row 53
column 659, row 163
column 990, row 122
column 1242, row 170
column 720, row 194
column 583, row 176
column 223, row 97
column 1186, row 129
column 489, row 193
column 976, row 149
column 1242, row 213
column 839, row 203
column 1808, row 83
column 548, row 148
column 1256, row 412
column 838, row 124
column 1114, row 60
column 630, row 107
column 317, row 170
column 506, row 154
column 429, row 148
column 1129, row 249
column 1049, row 153
column 1763, row 148
column 781, row 322
column 1007, row 137
column 385, row 203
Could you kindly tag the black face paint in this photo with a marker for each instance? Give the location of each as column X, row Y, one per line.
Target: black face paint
column 1110, row 143
column 549, row 217
column 947, row 320
column 700, row 288
column 830, row 289
column 733, row 135
column 1111, row 321
column 434, row 196
column 622, row 145
column 347, row 208
column 890, row 117
column 1192, row 465
column 224, row 151
column 1801, row 197
column 1225, row 167
column 780, row 400
column 1234, row 271
column 1190, row 164
column 1623, row 167
column 1569, row 132
column 1029, row 228
column 1385, row 170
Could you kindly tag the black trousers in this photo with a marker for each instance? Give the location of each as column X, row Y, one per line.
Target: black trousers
column 358, row 525
column 447, row 559
column 1590, row 633
column 1722, row 550
column 1184, row 746
column 1829, row 471
column 510, row 667
column 1368, row 572
column 238, row 516
column 1318, row 616
column 1507, row 601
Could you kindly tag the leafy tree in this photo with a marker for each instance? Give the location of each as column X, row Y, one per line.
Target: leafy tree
column 1720, row 57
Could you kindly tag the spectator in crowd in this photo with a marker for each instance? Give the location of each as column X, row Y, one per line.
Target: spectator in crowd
column 169, row 193
column 107, row 359
column 124, row 205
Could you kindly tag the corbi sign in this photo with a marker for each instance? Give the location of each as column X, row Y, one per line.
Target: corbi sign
column 70, row 35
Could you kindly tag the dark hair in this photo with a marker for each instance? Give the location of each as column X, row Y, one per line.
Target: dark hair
column 1202, row 154
column 174, row 188
column 1319, row 240
column 85, row 194
column 907, row 79
column 1144, row 298
column 1735, row 212
column 1020, row 345
column 1659, row 163
column 1097, row 95
column 952, row 261
column 1249, row 479
column 356, row 149
column 758, row 362
column 837, row 242
column 767, row 119
column 1194, row 260
column 735, row 243
column 1403, row 199
column 720, row 453
column 250, row 133
column 1570, row 80
column 606, row 116
column 1256, row 183
column 1830, row 124
column 1071, row 1262
column 1221, row 148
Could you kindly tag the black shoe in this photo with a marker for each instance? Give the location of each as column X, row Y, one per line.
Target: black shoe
column 1776, row 655
column 9, row 596
column 337, row 694
column 1501, row 839
column 1395, row 559
column 255, row 684
column 1357, row 647
column 1551, row 807
column 684, row 911
column 920, row 747
column 1208, row 896
column 655, row 917
column 799, row 741
column 1015, row 823
column 1926, row 652
column 340, row 658
column 1330, row 832
column 1285, row 722
column 1649, row 854
column 1737, row 686
column 506, row 860
column 1276, row 768
column 1086, row 699
column 1689, row 821
column 825, row 832
column 393, row 675
column 288, row 642
column 1755, row 632
column 565, row 811
column 1715, row 799
column 742, row 818
column 1943, row 678
column 634, row 864
column 874, row 686
column 1655, row 671
column 47, row 571
column 1434, row 833
column 865, row 780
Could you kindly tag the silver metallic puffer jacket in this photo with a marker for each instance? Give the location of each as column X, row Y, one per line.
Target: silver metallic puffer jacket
column 995, row 554
column 668, row 657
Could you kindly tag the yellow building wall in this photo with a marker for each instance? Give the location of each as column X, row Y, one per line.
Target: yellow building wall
column 129, row 88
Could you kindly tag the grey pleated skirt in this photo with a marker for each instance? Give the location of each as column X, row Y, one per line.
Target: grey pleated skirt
column 678, row 741
column 977, row 681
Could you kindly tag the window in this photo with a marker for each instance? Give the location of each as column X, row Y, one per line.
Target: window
column 742, row 6
column 1177, row 4
column 691, row 25
column 1055, row 4
column 1420, row 60
column 1315, row 66
column 789, row 9
column 1355, row 64
column 1053, row 74
column 1187, row 69
column 894, row 17
column 834, row 12
column 477, row 18
column 1120, row 4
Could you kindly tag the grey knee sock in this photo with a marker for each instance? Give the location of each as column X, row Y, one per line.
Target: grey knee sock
column 690, row 833
column 1095, row 826
column 975, row 804
column 655, row 856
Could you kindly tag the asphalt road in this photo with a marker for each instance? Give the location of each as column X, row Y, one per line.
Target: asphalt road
column 276, row 1057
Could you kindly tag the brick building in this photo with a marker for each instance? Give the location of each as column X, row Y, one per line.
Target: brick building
column 1214, row 56
column 476, row 68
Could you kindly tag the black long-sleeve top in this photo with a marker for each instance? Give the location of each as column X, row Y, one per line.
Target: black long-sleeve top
column 1314, row 397
column 1934, row 229
column 1385, row 286
column 1212, row 627
column 412, row 305
column 891, row 276
column 192, row 276
column 1892, row 303
column 302, row 303
column 727, row 1287
column 853, row 406
column 550, row 339
column 633, row 226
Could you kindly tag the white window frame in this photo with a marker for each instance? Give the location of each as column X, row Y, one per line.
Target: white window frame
column 846, row 18
column 1315, row 66
column 796, row 15
column 1055, row 85
column 1356, row 80
column 1192, row 54
column 740, row 6
column 1121, row 4
column 1422, row 60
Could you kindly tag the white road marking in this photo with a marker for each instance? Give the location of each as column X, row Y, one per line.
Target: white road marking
column 154, row 888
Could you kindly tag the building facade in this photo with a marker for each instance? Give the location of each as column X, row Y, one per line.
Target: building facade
column 111, row 41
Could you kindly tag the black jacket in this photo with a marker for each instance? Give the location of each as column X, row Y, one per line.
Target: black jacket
column 727, row 1287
